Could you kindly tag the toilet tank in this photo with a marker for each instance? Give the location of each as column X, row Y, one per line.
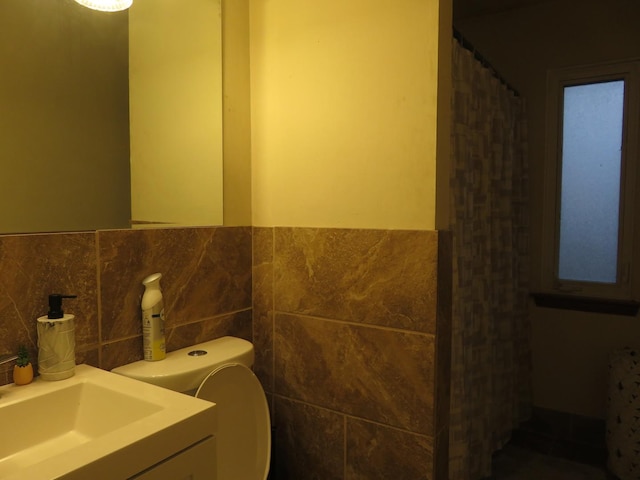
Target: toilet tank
column 185, row 369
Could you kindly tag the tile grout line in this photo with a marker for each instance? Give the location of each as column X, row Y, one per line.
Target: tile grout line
column 99, row 295
column 344, row 449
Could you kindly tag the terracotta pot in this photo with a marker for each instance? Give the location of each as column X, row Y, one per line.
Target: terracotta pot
column 22, row 375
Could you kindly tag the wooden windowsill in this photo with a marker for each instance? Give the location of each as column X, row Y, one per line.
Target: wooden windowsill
column 587, row 304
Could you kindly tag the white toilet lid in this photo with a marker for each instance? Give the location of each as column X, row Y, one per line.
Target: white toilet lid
column 244, row 429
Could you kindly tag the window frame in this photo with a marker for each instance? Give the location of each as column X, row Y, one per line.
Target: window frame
column 557, row 79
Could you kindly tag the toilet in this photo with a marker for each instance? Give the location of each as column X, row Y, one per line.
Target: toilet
column 220, row 371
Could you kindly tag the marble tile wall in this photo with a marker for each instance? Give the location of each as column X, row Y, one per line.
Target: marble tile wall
column 350, row 327
column 206, row 285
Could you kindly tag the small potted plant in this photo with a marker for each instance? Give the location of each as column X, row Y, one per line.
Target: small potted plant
column 23, row 370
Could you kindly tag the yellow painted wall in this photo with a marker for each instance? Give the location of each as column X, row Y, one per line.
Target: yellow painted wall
column 344, row 107
column 570, row 349
column 175, row 85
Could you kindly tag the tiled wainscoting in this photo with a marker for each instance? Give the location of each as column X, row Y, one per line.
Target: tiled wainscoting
column 351, row 327
column 206, row 284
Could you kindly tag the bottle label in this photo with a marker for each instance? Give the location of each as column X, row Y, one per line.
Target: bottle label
column 153, row 333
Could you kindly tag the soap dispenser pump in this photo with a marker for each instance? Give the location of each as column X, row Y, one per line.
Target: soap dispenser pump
column 56, row 341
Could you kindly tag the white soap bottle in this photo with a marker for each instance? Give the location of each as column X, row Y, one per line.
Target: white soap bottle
column 153, row 319
column 56, row 341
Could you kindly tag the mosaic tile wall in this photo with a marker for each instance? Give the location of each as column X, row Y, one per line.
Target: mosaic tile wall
column 206, row 285
column 351, row 332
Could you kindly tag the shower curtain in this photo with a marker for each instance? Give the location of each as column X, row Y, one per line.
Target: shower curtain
column 491, row 366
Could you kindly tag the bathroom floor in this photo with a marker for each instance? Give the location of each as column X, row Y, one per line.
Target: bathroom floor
column 515, row 463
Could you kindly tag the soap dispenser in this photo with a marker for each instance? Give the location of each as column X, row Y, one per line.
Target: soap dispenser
column 56, row 341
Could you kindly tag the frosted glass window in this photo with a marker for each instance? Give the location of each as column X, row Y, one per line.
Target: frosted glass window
column 590, row 182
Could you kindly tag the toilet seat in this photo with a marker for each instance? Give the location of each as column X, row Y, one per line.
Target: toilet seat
column 244, row 428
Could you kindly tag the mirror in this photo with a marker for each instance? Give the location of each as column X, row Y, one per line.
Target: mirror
column 110, row 119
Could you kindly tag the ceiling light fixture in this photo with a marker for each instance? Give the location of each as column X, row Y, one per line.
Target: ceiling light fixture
column 106, row 5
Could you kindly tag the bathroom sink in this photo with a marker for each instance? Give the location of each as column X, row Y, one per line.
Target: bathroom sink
column 62, row 419
column 95, row 424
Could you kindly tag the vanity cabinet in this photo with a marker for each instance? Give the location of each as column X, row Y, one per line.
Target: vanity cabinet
column 195, row 463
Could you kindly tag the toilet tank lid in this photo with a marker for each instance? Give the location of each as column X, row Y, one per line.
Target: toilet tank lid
column 183, row 371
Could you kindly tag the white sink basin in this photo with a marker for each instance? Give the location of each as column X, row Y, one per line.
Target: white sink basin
column 95, row 425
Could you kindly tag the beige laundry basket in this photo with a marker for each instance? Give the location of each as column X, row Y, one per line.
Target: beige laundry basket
column 623, row 414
